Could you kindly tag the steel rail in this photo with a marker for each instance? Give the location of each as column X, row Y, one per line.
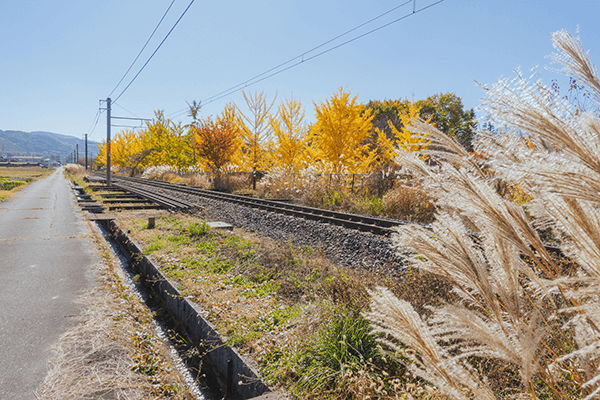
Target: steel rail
column 375, row 225
column 163, row 200
column 363, row 223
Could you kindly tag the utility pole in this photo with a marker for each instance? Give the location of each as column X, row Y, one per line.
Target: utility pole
column 86, row 165
column 108, row 122
column 76, row 153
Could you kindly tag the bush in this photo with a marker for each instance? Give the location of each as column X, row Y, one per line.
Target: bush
column 197, row 229
column 409, row 203
column 232, row 182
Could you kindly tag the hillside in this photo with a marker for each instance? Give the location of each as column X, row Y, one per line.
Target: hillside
column 43, row 143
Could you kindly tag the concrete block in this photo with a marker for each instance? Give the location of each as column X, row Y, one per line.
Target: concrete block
column 220, row 225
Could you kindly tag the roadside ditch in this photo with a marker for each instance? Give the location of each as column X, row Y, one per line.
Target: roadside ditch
column 213, row 370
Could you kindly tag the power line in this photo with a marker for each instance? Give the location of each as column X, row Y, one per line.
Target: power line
column 269, row 73
column 317, row 47
column 140, row 53
column 95, row 123
column 252, row 81
column 138, row 117
column 159, row 46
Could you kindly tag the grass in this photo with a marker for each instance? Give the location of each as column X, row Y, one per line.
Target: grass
column 12, row 178
column 112, row 350
column 341, row 352
column 299, row 317
column 520, row 312
column 375, row 195
column 283, row 306
column 484, row 312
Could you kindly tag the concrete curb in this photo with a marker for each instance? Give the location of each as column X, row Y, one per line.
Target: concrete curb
column 237, row 378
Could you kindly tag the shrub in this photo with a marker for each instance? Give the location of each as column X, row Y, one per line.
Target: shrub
column 369, row 205
column 197, row 229
column 232, row 182
column 409, row 203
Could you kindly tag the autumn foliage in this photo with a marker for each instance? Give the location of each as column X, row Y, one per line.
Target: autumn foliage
column 215, row 142
column 346, row 137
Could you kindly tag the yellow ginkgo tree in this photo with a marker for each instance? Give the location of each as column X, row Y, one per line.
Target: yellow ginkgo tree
column 400, row 138
column 255, row 133
column 290, row 132
column 125, row 145
column 339, row 137
column 167, row 143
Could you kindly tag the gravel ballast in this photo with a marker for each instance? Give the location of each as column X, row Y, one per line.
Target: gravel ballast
column 340, row 245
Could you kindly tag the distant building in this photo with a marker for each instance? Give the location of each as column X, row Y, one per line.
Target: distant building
column 27, row 159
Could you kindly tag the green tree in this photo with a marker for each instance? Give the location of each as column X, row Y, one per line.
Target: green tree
column 444, row 110
column 449, row 116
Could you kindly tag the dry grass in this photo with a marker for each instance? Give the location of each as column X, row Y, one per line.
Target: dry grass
column 25, row 172
column 519, row 308
column 378, row 194
column 409, row 203
column 112, row 351
column 273, row 301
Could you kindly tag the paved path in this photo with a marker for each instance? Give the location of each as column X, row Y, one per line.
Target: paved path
column 46, row 256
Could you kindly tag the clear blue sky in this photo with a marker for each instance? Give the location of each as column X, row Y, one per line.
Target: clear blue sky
column 59, row 58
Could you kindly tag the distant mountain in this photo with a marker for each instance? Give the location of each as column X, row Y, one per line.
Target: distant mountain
column 43, row 143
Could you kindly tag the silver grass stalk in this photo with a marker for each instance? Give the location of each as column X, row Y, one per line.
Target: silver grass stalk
column 402, row 326
column 482, row 336
column 564, row 177
column 553, row 152
column 575, row 60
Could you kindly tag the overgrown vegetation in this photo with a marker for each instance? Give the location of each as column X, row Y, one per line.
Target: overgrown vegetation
column 112, row 351
column 286, row 307
column 345, row 160
column 519, row 305
column 509, row 319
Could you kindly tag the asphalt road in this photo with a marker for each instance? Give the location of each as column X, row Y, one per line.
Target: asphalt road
column 46, row 259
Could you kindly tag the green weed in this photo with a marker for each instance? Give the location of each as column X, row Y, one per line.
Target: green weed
column 157, row 244
column 197, row 229
column 340, row 351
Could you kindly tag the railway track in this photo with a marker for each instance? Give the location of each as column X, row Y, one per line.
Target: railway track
column 170, row 202
column 141, row 187
column 379, row 226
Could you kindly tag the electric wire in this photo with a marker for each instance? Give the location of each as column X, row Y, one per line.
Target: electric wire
column 315, row 48
column 150, row 58
column 144, row 47
column 249, row 82
column 120, row 106
column 95, row 123
column 269, row 73
column 179, row 113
